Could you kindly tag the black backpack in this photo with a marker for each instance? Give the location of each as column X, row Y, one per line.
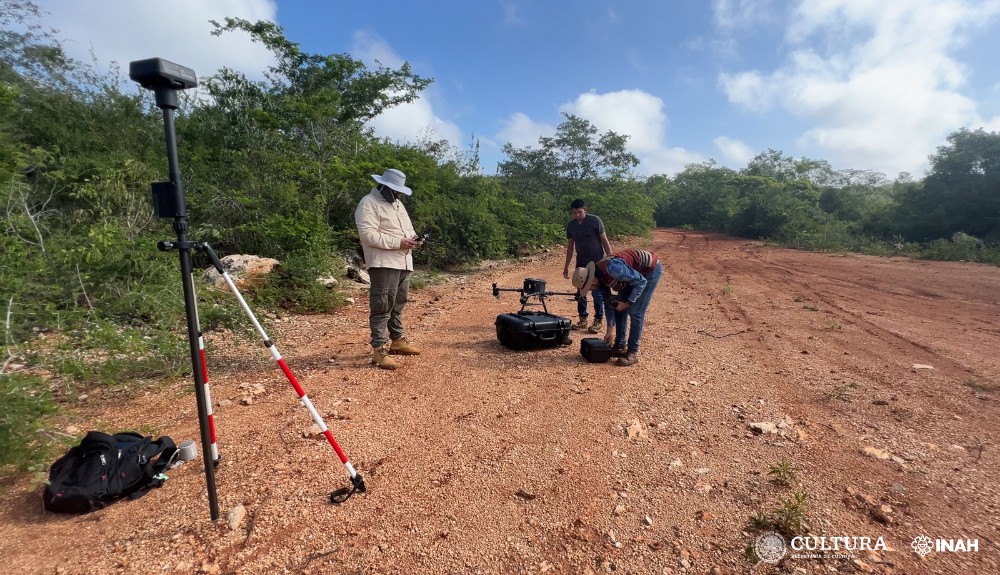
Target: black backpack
column 105, row 468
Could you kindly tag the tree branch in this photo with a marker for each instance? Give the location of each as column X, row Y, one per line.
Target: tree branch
column 31, row 218
column 79, row 278
column 7, row 337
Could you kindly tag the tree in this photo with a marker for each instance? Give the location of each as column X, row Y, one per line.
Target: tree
column 702, row 196
column 770, row 208
column 271, row 155
column 27, row 48
column 962, row 190
column 575, row 153
column 774, row 164
column 333, row 86
column 662, row 191
column 575, row 161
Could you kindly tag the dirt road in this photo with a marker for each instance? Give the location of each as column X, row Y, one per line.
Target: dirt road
column 758, row 364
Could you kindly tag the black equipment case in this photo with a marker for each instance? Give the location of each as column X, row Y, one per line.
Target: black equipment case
column 532, row 330
column 594, row 350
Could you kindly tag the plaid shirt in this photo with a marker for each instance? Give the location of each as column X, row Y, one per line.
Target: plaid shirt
column 625, row 269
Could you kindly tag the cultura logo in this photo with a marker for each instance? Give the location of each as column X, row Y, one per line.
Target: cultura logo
column 770, row 547
column 839, row 543
column 922, row 545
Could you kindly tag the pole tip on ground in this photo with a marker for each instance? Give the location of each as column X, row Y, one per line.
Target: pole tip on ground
column 344, row 493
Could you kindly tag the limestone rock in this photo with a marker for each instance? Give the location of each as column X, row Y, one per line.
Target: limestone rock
column 242, row 268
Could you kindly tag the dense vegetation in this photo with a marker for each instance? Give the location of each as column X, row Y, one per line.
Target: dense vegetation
column 276, row 167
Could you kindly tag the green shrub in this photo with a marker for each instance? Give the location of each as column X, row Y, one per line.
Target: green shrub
column 293, row 285
column 961, row 247
column 118, row 356
column 24, row 401
column 783, row 472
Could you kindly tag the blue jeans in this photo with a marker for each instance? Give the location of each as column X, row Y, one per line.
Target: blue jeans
column 581, row 305
column 637, row 311
column 387, row 298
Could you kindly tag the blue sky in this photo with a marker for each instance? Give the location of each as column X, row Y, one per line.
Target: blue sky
column 863, row 84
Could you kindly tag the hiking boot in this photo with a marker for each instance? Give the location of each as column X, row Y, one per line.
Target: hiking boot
column 402, row 347
column 631, row 358
column 582, row 324
column 597, row 327
column 380, row 357
column 619, row 351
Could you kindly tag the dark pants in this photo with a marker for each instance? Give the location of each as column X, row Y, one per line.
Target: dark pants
column 387, row 299
column 581, row 305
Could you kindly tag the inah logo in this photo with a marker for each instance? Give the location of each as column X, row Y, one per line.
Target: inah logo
column 922, row 545
column 770, row 547
column 956, row 545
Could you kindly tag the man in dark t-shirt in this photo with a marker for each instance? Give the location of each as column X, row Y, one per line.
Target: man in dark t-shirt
column 586, row 236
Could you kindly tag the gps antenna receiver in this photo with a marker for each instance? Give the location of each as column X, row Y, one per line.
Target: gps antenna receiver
column 155, row 72
column 164, row 78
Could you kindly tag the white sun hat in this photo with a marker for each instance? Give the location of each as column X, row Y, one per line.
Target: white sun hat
column 395, row 180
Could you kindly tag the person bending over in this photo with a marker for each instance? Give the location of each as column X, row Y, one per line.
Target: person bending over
column 634, row 275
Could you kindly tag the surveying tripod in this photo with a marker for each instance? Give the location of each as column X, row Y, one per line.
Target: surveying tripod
column 165, row 79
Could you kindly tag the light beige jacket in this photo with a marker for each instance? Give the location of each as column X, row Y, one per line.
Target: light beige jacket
column 381, row 226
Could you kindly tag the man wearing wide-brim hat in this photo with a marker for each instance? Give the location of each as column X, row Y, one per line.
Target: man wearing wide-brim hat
column 388, row 240
column 634, row 274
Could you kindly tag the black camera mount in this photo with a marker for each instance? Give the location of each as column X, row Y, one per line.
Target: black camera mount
column 533, row 288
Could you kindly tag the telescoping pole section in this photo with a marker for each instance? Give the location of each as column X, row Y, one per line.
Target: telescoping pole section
column 358, row 482
column 205, row 387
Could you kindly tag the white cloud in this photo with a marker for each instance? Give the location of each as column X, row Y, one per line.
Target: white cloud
column 179, row 31
column 668, row 161
column 634, row 113
column 638, row 115
column 735, row 153
column 742, row 13
column 635, row 60
column 511, row 13
column 521, row 131
column 749, row 89
column 370, row 47
column 876, row 79
column 412, row 122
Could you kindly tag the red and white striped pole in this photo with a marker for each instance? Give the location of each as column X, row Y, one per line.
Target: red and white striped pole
column 205, row 390
column 357, row 481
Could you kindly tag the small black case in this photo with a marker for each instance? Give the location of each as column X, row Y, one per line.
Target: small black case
column 594, row 350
